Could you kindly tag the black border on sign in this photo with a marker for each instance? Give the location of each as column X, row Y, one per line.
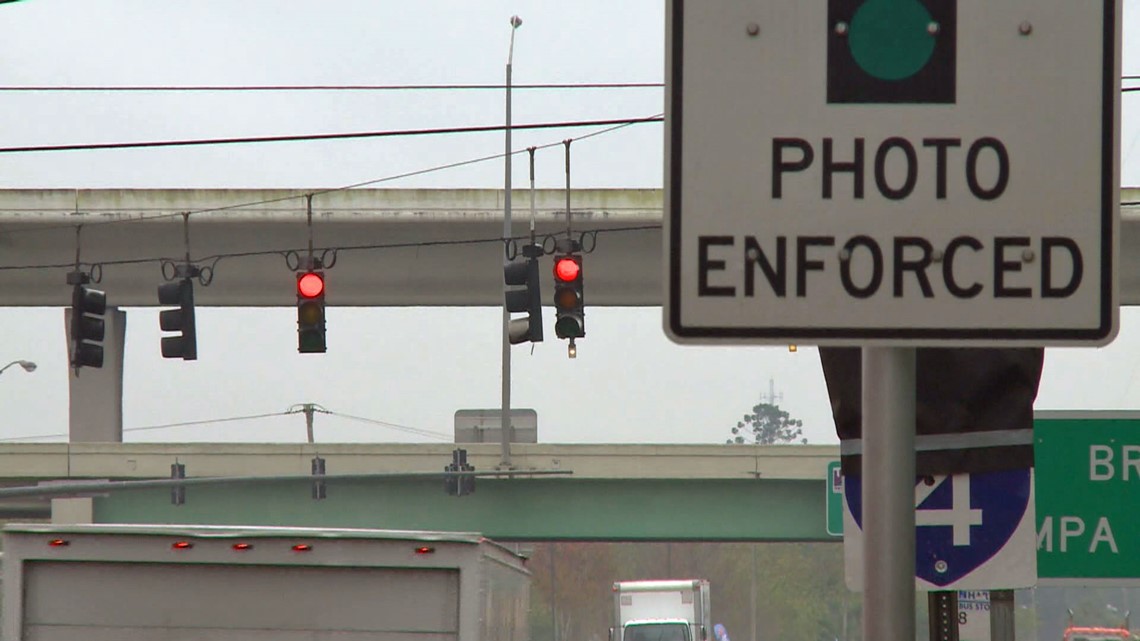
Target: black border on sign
column 981, row 335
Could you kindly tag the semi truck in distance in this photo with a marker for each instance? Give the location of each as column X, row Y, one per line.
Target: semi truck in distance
column 669, row 610
column 225, row 583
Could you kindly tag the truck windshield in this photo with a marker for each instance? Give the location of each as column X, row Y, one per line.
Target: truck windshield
column 658, row 632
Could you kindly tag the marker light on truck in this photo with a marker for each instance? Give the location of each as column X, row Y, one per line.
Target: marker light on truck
column 242, row 547
column 181, row 545
column 302, row 547
column 58, row 543
column 425, row 550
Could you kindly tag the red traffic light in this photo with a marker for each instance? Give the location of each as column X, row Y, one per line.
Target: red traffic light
column 566, row 269
column 311, row 285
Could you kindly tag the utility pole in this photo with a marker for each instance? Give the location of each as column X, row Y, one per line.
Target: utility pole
column 308, row 409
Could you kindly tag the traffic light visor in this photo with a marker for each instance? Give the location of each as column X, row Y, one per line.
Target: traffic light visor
column 566, row 269
column 89, row 301
column 310, row 285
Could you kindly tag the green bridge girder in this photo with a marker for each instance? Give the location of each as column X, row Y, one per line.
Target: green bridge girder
column 521, row 509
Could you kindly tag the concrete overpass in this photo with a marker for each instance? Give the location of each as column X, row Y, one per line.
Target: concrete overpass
column 412, row 247
column 614, row 492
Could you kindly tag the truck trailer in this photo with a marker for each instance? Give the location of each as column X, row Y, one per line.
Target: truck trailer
column 671, row 610
column 225, row 583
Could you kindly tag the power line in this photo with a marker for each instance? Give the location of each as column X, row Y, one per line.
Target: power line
column 395, row 426
column 633, row 121
column 150, row 144
column 342, row 87
column 155, row 427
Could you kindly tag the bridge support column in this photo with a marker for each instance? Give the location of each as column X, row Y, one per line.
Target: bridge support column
column 96, row 395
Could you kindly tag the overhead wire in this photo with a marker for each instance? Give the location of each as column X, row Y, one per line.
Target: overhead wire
column 394, row 426
column 329, row 87
column 345, row 248
column 150, row 144
column 157, row 427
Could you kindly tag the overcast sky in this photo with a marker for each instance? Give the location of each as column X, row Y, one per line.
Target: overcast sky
column 411, row 367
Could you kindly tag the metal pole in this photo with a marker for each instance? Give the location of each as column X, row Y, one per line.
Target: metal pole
column 1002, row 626
column 752, row 592
column 553, row 597
column 505, row 420
column 888, row 493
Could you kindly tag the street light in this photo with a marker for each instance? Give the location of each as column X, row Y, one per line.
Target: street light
column 27, row 365
column 505, row 443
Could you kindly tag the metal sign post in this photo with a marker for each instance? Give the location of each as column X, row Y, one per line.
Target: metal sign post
column 888, row 492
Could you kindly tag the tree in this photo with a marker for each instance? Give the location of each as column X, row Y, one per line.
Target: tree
column 767, row 425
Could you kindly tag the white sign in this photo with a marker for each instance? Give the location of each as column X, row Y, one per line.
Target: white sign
column 972, row 531
column 954, row 185
column 974, row 615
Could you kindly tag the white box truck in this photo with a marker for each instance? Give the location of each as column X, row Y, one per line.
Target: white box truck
column 224, row 583
column 673, row 610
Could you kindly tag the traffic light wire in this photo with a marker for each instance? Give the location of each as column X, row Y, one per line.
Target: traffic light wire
column 659, row 117
column 395, row 426
column 214, row 259
column 345, row 87
column 198, row 142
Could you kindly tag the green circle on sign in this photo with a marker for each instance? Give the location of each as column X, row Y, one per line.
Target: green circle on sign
column 889, row 39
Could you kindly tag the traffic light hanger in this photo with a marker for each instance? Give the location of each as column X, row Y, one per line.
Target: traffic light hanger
column 310, row 290
column 88, row 306
column 178, row 290
column 569, row 295
column 87, row 329
column 523, row 294
column 570, row 314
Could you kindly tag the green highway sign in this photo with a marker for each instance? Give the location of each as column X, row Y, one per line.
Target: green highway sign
column 1088, row 497
column 834, row 491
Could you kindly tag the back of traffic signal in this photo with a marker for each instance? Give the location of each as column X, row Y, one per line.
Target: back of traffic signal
column 88, row 308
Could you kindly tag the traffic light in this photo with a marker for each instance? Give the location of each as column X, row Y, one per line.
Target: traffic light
column 568, row 299
column 459, row 484
column 524, row 299
column 177, row 491
column 311, row 312
column 181, row 319
column 87, row 309
column 318, row 485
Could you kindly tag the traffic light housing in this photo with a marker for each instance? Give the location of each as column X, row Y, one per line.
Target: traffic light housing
column 459, row 484
column 569, row 303
column 311, row 312
column 525, row 296
column 87, row 326
column 180, row 319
